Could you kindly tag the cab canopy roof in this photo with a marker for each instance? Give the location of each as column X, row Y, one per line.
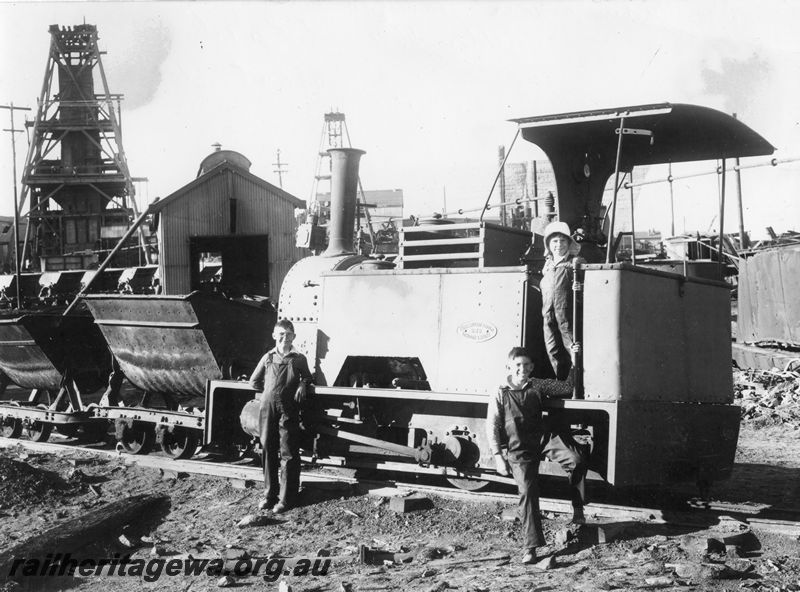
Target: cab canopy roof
column 679, row 133
column 582, row 149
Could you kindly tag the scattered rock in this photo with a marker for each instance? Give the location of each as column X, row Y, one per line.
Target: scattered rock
column 684, row 571
column 510, row 515
column 411, row 503
column 659, row 581
column 432, row 553
column 563, row 537
column 768, row 397
column 548, row 562
column 167, row 474
column 741, row 566
column 242, row 483
column 126, row 542
column 652, row 568
column 284, row 586
column 428, row 573
column 226, row 581
column 253, row 520
column 234, row 553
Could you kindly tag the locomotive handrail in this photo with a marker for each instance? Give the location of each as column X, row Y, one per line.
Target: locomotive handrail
column 773, row 162
column 497, row 177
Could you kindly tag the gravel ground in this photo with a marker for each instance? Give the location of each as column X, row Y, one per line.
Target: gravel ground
column 453, row 545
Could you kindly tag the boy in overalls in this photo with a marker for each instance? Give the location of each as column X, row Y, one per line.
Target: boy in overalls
column 515, row 415
column 282, row 376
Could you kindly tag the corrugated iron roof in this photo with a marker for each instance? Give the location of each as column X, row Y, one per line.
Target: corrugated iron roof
column 159, row 205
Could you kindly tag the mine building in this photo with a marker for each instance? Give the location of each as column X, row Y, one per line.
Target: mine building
column 227, row 230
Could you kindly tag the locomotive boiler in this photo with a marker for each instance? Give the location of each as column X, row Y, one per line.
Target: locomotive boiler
column 407, row 353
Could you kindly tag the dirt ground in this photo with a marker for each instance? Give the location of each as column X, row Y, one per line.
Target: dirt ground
column 419, row 550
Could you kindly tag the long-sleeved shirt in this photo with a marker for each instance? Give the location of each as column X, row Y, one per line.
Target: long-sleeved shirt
column 278, row 376
column 515, row 414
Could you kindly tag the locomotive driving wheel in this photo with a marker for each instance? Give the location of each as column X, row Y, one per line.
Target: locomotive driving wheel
column 180, row 442
column 469, row 484
column 38, row 431
column 135, row 437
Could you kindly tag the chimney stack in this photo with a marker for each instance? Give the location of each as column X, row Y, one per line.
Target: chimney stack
column 344, row 188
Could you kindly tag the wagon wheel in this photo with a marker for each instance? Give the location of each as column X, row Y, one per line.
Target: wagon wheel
column 180, row 443
column 10, row 427
column 137, row 438
column 39, row 431
column 469, row 484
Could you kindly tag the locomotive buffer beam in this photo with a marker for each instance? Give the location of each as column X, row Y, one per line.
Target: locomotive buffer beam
column 421, row 455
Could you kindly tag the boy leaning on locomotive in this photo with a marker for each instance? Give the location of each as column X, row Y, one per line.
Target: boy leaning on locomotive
column 514, row 412
column 515, row 416
column 282, row 377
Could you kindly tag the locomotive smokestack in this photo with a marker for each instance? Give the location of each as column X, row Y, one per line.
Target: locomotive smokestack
column 344, row 186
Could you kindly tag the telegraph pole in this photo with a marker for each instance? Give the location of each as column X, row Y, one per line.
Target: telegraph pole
column 11, row 108
column 279, row 168
column 742, row 236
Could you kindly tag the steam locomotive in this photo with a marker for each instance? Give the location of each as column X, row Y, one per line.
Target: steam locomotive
column 406, row 353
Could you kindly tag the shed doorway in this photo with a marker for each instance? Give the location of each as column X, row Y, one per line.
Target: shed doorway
column 233, row 265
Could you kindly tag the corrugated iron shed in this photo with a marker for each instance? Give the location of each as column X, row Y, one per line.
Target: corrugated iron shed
column 769, row 309
column 226, row 201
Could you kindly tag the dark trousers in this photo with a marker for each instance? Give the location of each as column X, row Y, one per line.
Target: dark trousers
column 558, row 341
column 526, row 474
column 280, row 431
column 567, row 453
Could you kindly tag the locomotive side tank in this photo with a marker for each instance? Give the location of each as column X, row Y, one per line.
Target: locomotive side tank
column 406, row 358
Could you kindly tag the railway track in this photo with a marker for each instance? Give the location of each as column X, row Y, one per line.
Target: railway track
column 758, row 516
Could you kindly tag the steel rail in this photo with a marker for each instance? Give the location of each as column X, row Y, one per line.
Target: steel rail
column 695, row 515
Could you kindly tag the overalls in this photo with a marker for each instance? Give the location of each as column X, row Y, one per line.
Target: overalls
column 279, row 423
column 528, row 440
column 556, row 287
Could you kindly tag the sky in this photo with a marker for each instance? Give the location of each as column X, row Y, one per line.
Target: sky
column 427, row 88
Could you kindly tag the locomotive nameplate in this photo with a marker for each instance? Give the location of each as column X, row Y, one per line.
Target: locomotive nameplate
column 475, row 331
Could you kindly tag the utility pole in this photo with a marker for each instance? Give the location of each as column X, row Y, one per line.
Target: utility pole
column 279, row 168
column 11, row 108
column 742, row 236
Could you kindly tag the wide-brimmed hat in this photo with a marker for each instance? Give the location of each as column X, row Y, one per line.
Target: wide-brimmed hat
column 560, row 228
